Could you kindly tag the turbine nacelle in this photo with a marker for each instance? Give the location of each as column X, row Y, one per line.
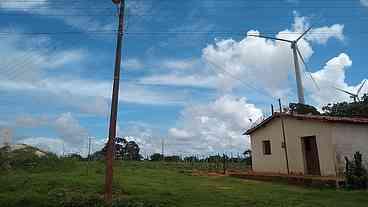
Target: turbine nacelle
column 297, row 54
column 354, row 96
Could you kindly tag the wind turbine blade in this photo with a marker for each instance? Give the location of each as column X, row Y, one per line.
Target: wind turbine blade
column 306, row 67
column 345, row 91
column 272, row 38
column 304, row 33
column 360, row 88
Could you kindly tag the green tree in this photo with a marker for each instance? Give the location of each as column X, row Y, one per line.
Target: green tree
column 156, row 157
column 355, row 173
column 124, row 150
column 345, row 109
column 303, row 109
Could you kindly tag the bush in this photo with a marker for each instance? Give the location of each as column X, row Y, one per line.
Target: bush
column 356, row 176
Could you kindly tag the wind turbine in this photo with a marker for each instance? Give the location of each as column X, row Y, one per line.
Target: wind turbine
column 297, row 54
column 352, row 95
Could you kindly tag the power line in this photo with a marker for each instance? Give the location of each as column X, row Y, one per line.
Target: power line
column 265, row 93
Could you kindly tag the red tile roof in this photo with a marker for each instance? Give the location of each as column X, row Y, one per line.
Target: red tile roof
column 351, row 120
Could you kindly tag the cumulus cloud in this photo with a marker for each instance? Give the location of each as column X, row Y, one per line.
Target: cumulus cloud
column 69, row 129
column 267, row 64
column 249, row 59
column 330, row 77
column 214, row 127
column 254, row 57
column 322, row 34
column 70, row 135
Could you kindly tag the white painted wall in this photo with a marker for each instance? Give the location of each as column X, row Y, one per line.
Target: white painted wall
column 348, row 139
column 276, row 162
column 333, row 140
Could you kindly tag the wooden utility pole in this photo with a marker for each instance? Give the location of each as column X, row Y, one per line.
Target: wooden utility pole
column 114, row 105
column 284, row 138
column 89, row 147
column 89, row 154
column 163, row 149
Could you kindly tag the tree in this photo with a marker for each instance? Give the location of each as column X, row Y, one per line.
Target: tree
column 124, row 150
column 248, row 157
column 302, row 109
column 346, row 109
column 132, row 151
column 355, row 173
column 173, row 158
column 191, row 159
column 156, row 157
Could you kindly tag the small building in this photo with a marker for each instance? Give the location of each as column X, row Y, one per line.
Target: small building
column 298, row 144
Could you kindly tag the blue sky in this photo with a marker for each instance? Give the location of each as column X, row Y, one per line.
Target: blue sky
column 190, row 75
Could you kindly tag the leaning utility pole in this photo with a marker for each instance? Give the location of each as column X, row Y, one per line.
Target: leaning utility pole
column 114, row 105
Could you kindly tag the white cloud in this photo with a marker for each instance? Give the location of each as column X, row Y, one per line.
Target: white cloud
column 132, row 63
column 322, row 34
column 179, row 64
column 214, row 127
column 31, row 121
column 68, row 131
column 175, row 79
column 93, row 96
column 88, row 96
column 251, row 58
column 70, row 136
column 248, row 60
column 145, row 135
column 54, row 145
column 179, row 133
column 78, row 18
column 22, row 5
column 39, row 58
column 364, row 2
column 331, row 76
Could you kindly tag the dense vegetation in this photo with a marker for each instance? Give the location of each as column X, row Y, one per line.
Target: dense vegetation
column 357, row 108
column 355, row 173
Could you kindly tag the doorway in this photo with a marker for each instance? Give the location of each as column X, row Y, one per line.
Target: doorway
column 311, row 158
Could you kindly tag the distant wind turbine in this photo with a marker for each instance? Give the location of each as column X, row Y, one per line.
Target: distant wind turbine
column 297, row 54
column 355, row 96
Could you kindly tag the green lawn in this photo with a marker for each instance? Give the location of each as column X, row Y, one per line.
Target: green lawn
column 154, row 184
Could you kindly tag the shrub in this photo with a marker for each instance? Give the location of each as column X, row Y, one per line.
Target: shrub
column 356, row 176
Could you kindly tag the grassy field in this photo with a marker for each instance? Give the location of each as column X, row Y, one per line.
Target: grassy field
column 68, row 183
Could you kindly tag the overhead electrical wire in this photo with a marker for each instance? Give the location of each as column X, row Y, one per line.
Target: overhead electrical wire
column 144, row 33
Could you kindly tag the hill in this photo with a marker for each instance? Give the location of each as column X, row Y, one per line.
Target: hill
column 22, row 156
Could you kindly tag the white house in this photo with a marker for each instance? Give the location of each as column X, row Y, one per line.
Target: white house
column 306, row 144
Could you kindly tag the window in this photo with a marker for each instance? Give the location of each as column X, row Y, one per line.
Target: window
column 266, row 147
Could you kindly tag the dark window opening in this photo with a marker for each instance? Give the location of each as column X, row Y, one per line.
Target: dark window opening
column 266, row 147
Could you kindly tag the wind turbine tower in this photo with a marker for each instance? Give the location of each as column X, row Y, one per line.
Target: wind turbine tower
column 297, row 54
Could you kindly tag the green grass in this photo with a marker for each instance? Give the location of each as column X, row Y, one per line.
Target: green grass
column 154, row 184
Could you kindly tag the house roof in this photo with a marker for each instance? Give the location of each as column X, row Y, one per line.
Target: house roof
column 351, row 120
